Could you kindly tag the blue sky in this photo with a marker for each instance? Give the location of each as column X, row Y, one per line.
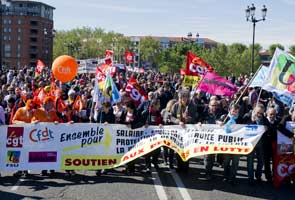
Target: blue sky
column 220, row 20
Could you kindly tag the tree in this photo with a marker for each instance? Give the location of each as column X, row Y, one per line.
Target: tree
column 292, row 50
column 273, row 47
column 149, row 50
column 246, row 59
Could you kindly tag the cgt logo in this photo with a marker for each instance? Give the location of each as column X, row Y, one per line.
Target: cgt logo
column 196, row 68
column 285, row 170
column 12, row 158
column 41, row 135
column 15, row 137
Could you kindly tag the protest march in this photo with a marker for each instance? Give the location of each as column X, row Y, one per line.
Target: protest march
column 61, row 120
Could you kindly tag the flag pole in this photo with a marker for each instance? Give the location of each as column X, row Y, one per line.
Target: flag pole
column 248, row 85
column 244, row 90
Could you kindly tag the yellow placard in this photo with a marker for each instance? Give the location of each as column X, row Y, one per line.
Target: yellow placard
column 191, row 80
column 90, row 162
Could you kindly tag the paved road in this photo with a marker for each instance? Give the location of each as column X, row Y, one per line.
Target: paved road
column 161, row 184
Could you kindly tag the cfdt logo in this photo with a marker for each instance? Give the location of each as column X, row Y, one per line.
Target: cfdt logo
column 13, row 158
column 41, row 135
column 15, row 137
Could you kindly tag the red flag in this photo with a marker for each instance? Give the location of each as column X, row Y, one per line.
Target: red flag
column 39, row 68
column 196, row 66
column 60, row 105
column 109, row 57
column 109, row 53
column 39, row 96
column 135, row 92
column 105, row 68
column 129, row 57
column 78, row 104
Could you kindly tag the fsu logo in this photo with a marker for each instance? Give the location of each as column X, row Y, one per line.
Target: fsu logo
column 15, row 137
column 12, row 158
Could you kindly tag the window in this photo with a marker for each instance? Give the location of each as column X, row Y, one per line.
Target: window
column 7, row 50
column 8, row 37
column 34, row 23
column 33, row 55
column 7, row 21
column 19, row 21
column 19, row 38
column 33, row 39
column 34, row 31
column 19, row 30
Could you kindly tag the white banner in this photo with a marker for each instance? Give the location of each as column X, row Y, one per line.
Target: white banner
column 98, row 146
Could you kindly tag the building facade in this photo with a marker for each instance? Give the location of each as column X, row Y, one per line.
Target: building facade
column 27, row 33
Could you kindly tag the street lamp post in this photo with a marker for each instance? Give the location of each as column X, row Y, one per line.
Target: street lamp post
column 250, row 16
column 197, row 39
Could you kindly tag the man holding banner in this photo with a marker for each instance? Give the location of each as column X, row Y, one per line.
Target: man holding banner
column 210, row 116
column 184, row 112
column 231, row 161
column 255, row 117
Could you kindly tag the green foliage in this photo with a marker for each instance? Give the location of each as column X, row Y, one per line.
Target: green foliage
column 273, row 47
column 164, row 69
column 292, row 50
column 89, row 43
column 225, row 59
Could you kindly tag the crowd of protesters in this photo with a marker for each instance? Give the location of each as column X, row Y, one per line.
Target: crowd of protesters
column 168, row 103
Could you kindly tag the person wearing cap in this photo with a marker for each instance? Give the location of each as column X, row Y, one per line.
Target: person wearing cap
column 46, row 113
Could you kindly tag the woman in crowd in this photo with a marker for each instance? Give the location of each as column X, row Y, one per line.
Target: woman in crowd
column 167, row 120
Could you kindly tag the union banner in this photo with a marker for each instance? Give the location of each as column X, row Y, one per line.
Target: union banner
column 98, row 146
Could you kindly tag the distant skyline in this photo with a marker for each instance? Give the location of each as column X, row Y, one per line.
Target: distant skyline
column 220, row 20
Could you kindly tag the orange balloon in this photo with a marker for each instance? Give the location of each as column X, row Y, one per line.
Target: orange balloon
column 64, row 68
